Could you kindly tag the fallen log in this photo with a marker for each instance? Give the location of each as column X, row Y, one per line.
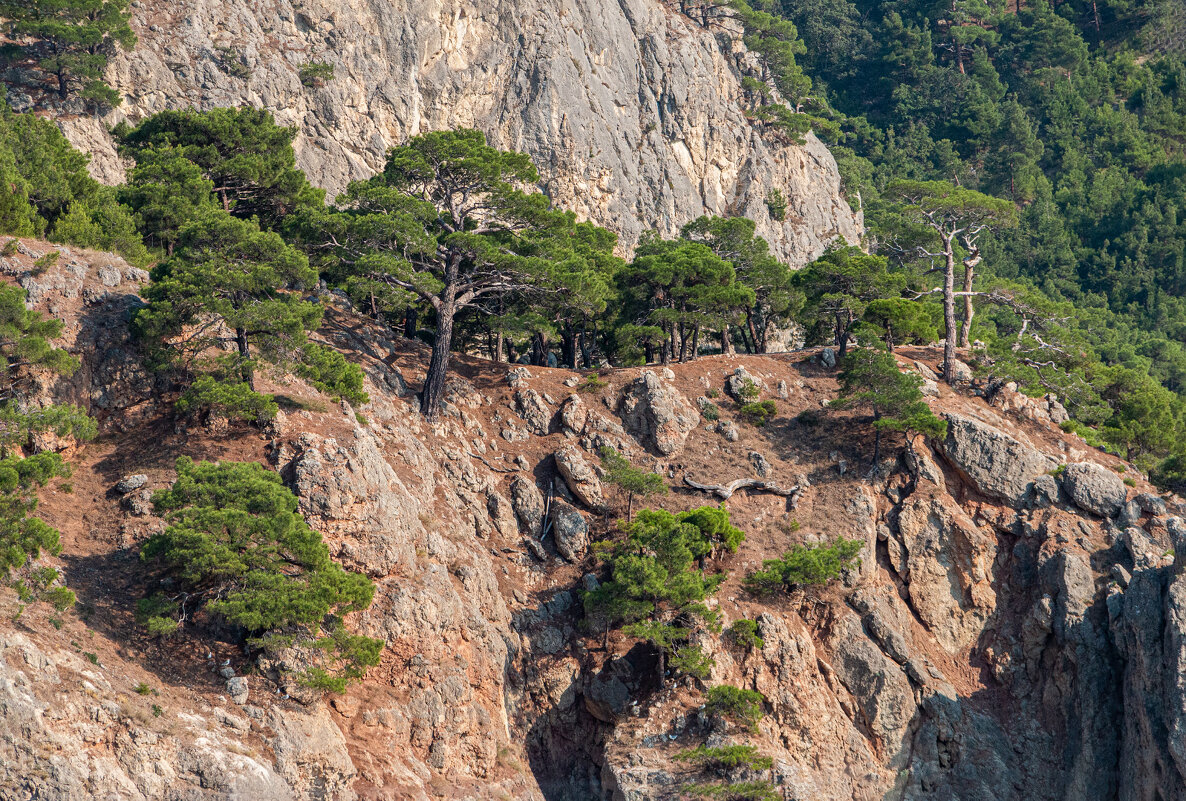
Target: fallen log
column 725, row 491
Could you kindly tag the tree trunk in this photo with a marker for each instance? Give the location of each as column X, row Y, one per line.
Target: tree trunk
column 695, row 342
column 949, row 325
column 759, row 341
column 969, row 311
column 245, row 354
column 411, row 322
column 498, row 347
column 438, row 365
column 726, row 341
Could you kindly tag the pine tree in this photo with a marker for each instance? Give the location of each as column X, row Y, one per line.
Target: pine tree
column 237, row 548
column 225, row 285
column 241, row 151
column 449, row 221
column 776, row 300
column 839, row 285
column 870, row 379
column 949, row 217
column 683, row 288
column 70, row 40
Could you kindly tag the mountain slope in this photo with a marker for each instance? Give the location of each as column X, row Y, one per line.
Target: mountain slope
column 1009, row 634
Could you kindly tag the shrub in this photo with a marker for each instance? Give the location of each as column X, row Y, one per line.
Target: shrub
column 776, row 204
column 744, row 634
column 38, row 585
column 691, row 661
column 758, row 413
column 234, row 400
column 804, row 565
column 331, row 373
column 45, row 262
column 1058, row 471
column 713, row 393
column 749, row 391
column 91, row 657
column 237, row 549
column 734, row 791
column 1130, row 482
column 710, row 412
column 592, row 383
column 728, row 757
column 734, row 703
column 232, row 62
column 11, row 247
column 632, row 481
column 316, row 73
column 143, row 689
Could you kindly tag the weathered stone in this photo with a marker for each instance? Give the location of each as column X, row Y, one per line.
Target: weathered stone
column 656, row 414
column 728, row 430
column 580, row 478
column 635, row 116
column 574, row 415
column 827, row 358
column 534, row 410
column 996, row 464
column 1094, row 488
column 570, row 530
column 528, row 503
column 237, row 689
column 761, row 465
column 738, row 380
column 129, row 483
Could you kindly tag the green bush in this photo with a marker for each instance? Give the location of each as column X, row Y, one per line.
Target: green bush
column 734, row 703
column 691, row 661
column 632, row 481
column 710, row 412
column 744, row 634
column 237, row 549
column 233, row 400
column 804, row 565
column 143, row 689
column 592, row 383
column 330, row 372
column 776, row 204
column 316, row 73
column 758, row 413
column 725, row 758
column 734, row 791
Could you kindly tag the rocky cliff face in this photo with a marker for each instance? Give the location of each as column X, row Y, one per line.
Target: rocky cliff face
column 632, row 111
column 1014, row 631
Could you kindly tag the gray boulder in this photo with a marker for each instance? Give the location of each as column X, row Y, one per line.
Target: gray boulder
column 827, row 357
column 570, row 530
column 1094, row 488
column 657, row 414
column 528, row 504
column 237, row 689
column 579, row 477
column 534, row 411
column 996, row 464
column 129, row 483
column 739, row 379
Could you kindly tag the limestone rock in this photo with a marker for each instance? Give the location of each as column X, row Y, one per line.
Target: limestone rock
column 996, row 464
column 739, row 380
column 580, row 478
column 1094, row 488
column 570, row 530
column 657, row 414
column 129, row 483
column 574, row 415
column 534, row 410
column 236, row 688
column 635, row 115
column 827, row 358
column 528, row 503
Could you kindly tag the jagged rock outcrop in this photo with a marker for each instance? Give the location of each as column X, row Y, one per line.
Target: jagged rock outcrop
column 633, row 112
column 657, row 414
column 1001, row 639
column 579, row 477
